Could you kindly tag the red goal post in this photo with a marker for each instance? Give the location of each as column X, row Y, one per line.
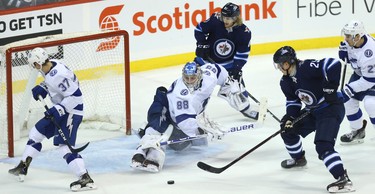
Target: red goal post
column 101, row 62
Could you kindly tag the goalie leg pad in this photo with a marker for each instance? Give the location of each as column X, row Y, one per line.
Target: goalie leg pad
column 154, row 160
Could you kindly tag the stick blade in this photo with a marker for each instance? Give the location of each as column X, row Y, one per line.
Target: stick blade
column 209, row 168
column 79, row 149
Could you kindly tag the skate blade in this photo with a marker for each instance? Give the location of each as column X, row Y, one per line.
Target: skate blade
column 89, row 186
column 346, row 189
column 149, row 168
column 19, row 177
column 296, row 168
column 354, row 142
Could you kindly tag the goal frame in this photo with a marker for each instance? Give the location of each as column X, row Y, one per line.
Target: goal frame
column 9, row 89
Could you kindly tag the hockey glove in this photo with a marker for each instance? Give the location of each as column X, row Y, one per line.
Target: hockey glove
column 55, row 112
column 39, row 90
column 330, row 93
column 343, row 52
column 236, row 73
column 347, row 93
column 286, row 124
column 202, row 50
column 199, row 61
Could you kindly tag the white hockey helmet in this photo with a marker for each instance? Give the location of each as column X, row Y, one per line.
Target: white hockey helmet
column 37, row 55
column 353, row 28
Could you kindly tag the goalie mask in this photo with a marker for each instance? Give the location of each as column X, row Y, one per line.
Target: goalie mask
column 191, row 75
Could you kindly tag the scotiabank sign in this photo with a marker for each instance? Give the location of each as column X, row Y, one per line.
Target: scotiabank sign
column 185, row 17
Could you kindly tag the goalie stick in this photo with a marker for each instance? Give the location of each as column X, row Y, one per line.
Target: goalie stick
column 257, row 101
column 61, row 133
column 243, row 127
column 212, row 169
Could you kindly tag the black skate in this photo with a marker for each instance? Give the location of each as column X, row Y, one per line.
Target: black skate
column 342, row 185
column 291, row 163
column 20, row 171
column 354, row 137
column 84, row 183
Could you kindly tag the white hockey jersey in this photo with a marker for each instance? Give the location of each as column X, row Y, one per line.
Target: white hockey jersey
column 184, row 105
column 63, row 87
column 362, row 61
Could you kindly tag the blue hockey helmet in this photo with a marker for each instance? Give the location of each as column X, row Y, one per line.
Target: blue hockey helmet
column 191, row 74
column 285, row 54
column 230, row 10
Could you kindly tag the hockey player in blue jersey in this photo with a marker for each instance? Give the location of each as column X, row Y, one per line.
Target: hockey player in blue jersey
column 225, row 40
column 314, row 83
column 62, row 86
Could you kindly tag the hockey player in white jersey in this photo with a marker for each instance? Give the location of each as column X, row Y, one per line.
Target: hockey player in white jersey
column 62, row 86
column 182, row 106
column 358, row 50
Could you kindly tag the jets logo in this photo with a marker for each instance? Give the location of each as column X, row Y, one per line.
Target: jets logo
column 224, row 48
column 306, row 97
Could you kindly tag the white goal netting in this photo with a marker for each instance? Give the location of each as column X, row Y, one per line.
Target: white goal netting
column 101, row 63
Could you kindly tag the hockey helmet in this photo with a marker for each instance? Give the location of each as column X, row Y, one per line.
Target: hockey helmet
column 285, row 54
column 37, row 55
column 230, row 10
column 191, row 74
column 353, row 28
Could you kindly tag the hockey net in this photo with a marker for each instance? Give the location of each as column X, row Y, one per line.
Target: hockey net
column 99, row 60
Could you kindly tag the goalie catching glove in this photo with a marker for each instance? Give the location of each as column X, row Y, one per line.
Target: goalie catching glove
column 211, row 127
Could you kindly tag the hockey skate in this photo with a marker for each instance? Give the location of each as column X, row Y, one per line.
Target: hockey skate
column 141, row 163
column 20, row 171
column 84, row 183
column 292, row 163
column 342, row 185
column 354, row 137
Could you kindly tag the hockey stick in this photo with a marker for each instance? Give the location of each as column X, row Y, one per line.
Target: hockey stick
column 61, row 133
column 343, row 76
column 182, row 139
column 231, row 130
column 257, row 101
column 212, row 169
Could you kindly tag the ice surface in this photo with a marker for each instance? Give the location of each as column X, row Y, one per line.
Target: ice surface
column 108, row 156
